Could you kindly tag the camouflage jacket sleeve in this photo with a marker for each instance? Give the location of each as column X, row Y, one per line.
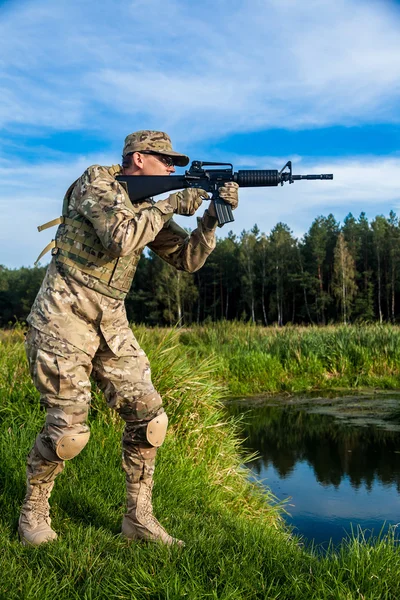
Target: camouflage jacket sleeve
column 121, row 226
column 184, row 251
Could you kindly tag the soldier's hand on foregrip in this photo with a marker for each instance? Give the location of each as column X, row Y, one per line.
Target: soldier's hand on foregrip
column 229, row 194
column 187, row 201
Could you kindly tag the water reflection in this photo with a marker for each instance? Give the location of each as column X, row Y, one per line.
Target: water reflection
column 339, row 463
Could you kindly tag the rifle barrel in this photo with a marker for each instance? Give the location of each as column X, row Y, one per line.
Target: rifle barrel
column 322, row 176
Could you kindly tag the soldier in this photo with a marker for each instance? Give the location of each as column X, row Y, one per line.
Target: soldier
column 78, row 326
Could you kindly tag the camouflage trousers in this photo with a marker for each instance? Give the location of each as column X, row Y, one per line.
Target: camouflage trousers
column 61, row 373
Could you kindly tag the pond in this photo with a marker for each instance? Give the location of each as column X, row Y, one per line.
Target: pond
column 337, row 460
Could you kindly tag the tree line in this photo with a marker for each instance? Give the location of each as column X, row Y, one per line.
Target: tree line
column 334, row 274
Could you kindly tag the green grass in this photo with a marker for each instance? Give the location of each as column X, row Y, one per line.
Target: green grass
column 274, row 360
column 237, row 546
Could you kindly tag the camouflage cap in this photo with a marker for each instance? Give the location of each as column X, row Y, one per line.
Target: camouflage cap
column 155, row 141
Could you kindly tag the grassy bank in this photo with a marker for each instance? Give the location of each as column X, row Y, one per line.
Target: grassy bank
column 294, row 359
column 236, row 545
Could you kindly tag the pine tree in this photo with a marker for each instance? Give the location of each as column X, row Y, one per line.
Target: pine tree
column 262, row 269
column 364, row 302
column 393, row 242
column 282, row 259
column 379, row 230
column 247, row 253
column 344, row 277
column 315, row 249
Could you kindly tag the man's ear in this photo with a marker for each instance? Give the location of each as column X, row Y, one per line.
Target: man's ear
column 138, row 160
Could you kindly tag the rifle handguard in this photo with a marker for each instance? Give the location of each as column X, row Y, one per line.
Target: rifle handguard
column 265, row 178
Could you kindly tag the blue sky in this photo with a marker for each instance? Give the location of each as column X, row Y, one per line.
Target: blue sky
column 254, row 83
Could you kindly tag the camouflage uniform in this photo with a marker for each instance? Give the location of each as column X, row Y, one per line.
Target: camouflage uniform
column 79, row 329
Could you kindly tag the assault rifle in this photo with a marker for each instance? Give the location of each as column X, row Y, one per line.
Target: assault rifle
column 142, row 187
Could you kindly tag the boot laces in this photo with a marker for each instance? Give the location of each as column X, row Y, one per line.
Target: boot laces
column 147, row 502
column 41, row 505
column 148, row 512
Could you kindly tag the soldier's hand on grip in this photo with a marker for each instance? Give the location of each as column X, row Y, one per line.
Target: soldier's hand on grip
column 229, row 194
column 187, row 201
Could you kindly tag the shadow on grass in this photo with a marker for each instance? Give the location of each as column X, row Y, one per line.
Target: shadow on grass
column 78, row 506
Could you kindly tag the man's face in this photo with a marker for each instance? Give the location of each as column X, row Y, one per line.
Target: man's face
column 156, row 164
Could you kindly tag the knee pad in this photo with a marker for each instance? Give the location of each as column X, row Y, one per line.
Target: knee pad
column 157, row 430
column 64, row 436
column 71, row 444
column 64, row 445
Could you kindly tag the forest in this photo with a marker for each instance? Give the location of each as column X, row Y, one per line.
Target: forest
column 337, row 273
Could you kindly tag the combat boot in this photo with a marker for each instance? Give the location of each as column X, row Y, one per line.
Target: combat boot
column 139, row 523
column 34, row 522
column 34, row 526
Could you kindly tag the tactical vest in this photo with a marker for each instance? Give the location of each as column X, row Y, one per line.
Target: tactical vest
column 79, row 251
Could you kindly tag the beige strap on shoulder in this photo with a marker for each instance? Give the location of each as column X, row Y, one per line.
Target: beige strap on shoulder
column 57, row 221
column 49, row 246
column 67, row 221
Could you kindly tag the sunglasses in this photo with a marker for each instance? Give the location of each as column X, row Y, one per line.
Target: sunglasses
column 168, row 161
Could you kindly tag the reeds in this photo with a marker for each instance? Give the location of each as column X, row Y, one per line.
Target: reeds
column 294, row 359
